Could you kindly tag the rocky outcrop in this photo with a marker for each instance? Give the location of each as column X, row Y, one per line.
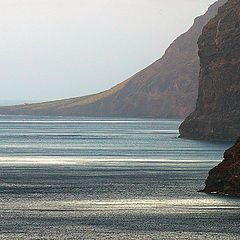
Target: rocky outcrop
column 217, row 113
column 225, row 178
column 166, row 89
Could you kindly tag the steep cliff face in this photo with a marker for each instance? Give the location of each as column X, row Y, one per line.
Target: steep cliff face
column 217, row 114
column 167, row 88
column 225, row 178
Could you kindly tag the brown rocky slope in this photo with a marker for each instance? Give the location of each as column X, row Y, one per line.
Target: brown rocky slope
column 167, row 88
column 217, row 114
column 225, row 178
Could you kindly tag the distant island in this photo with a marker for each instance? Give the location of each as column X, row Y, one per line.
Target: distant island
column 165, row 89
column 169, row 88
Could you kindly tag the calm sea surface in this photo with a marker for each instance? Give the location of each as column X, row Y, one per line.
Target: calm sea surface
column 89, row 178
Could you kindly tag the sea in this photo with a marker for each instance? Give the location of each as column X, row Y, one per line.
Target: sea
column 109, row 178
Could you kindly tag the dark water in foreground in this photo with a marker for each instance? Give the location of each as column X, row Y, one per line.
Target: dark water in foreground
column 75, row 178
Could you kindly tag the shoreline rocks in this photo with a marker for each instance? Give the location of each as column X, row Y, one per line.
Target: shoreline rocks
column 225, row 177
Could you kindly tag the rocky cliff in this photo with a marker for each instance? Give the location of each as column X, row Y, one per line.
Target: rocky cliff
column 217, row 114
column 225, row 178
column 167, row 88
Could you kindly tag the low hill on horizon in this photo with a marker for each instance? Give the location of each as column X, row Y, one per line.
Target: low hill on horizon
column 165, row 89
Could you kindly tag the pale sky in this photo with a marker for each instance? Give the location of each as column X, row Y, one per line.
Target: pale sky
column 53, row 49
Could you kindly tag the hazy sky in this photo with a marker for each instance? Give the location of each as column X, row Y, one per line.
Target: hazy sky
column 51, row 49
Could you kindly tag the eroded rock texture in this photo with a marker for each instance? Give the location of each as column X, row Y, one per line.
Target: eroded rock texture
column 225, row 178
column 217, row 114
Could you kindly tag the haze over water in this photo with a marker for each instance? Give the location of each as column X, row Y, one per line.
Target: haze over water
column 87, row 178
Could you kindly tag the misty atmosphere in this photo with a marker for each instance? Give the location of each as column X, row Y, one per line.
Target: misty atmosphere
column 120, row 119
column 54, row 49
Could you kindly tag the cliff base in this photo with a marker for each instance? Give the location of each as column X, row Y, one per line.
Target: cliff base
column 225, row 178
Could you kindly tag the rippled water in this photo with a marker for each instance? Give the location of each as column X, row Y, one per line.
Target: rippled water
column 82, row 178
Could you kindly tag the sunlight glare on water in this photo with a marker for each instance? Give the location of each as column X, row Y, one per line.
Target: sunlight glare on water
column 87, row 178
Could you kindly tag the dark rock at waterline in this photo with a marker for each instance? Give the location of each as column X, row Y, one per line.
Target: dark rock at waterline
column 225, row 178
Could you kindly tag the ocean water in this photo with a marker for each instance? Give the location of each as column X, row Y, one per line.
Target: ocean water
column 89, row 178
